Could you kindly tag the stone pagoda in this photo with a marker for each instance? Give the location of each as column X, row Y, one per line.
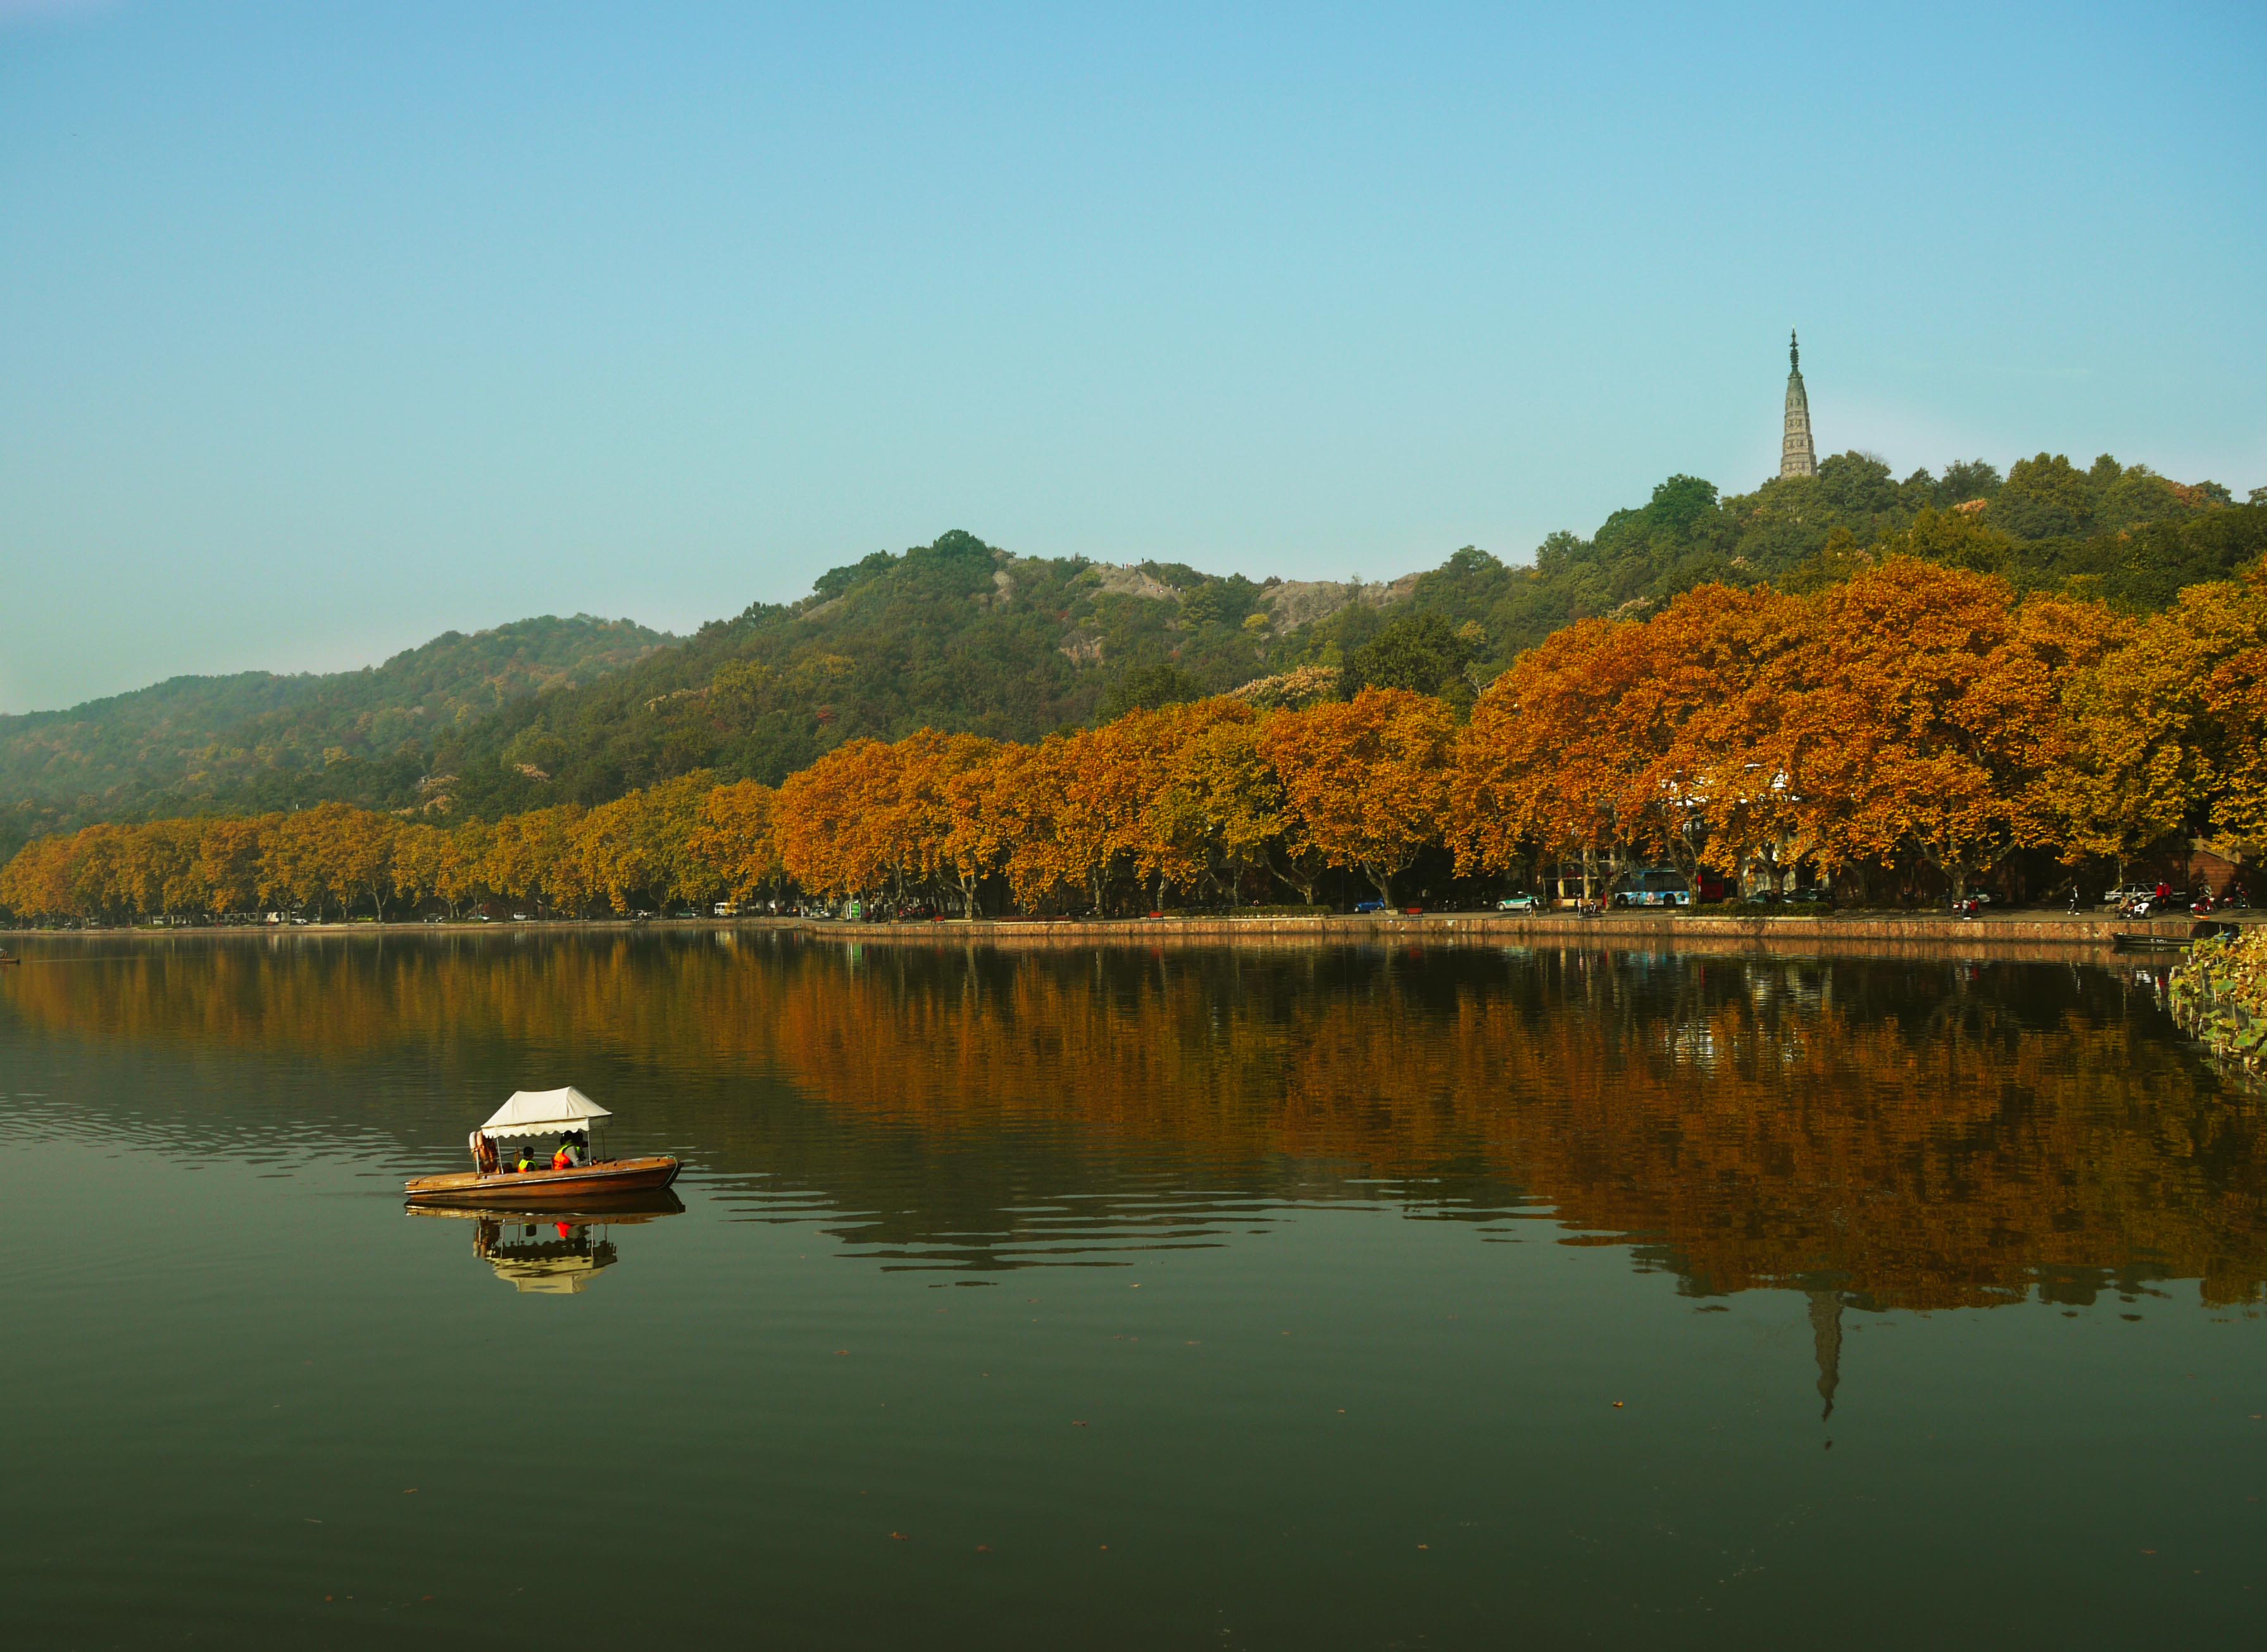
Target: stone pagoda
column 1796, row 455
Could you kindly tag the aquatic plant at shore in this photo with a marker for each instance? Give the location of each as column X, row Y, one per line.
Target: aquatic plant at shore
column 2219, row 996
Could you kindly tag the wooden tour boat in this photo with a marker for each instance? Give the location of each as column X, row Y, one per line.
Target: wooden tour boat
column 553, row 1113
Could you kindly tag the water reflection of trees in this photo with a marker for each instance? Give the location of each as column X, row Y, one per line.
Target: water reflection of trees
column 1904, row 1135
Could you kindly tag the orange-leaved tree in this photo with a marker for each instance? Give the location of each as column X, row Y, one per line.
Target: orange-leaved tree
column 1548, row 764
column 1365, row 780
column 982, row 821
column 1919, row 715
column 827, row 819
column 1094, row 790
column 914, row 822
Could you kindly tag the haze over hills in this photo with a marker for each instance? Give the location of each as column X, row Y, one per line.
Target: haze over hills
column 960, row 635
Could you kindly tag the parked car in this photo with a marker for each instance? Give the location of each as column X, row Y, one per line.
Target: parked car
column 1812, row 897
column 2125, row 894
column 1520, row 903
column 1362, row 906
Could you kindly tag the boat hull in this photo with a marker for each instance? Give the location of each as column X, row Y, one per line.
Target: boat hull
column 612, row 1209
column 544, row 1187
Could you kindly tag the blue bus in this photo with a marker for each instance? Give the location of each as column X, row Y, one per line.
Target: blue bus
column 1653, row 886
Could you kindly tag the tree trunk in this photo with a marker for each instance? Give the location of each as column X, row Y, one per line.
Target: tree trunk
column 1291, row 879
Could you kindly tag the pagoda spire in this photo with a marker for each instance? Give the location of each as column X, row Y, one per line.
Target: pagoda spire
column 1796, row 455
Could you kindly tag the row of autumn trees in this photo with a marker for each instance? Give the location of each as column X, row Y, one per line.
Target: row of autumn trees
column 1914, row 716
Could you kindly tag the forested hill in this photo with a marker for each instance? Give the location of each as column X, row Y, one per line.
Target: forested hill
column 257, row 739
column 960, row 635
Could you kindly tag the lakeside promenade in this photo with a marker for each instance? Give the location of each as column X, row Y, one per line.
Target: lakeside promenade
column 2009, row 937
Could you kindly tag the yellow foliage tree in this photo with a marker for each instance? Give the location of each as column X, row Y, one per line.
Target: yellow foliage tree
column 732, row 837
column 228, row 862
column 1365, row 781
column 641, row 845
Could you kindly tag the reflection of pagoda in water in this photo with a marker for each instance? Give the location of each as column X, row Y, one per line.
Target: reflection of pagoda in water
column 1826, row 1344
column 556, row 1257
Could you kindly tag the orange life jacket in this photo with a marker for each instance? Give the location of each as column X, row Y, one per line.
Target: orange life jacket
column 562, row 1160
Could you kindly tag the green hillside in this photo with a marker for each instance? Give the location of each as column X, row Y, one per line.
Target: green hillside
column 960, row 635
column 2122, row 534
column 259, row 740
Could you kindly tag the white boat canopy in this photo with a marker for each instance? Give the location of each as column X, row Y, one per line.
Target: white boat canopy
column 543, row 1113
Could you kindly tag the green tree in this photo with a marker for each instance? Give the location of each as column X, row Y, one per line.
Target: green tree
column 1423, row 653
column 1967, row 478
column 1147, row 688
column 2045, row 497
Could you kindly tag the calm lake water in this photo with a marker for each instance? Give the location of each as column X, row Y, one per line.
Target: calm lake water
column 1272, row 1299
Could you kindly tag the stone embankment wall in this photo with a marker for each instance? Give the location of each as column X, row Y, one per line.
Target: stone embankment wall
column 2044, row 935
column 2218, row 994
column 2013, row 937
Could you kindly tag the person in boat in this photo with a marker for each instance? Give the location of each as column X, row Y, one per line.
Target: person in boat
column 527, row 1163
column 564, row 1159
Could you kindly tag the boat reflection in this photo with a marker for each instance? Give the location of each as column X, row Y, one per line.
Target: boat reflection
column 550, row 1252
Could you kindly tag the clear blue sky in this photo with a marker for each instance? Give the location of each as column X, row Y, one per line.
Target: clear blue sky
column 330, row 327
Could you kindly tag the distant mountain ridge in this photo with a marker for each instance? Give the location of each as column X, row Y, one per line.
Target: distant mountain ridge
column 959, row 634
column 259, row 735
